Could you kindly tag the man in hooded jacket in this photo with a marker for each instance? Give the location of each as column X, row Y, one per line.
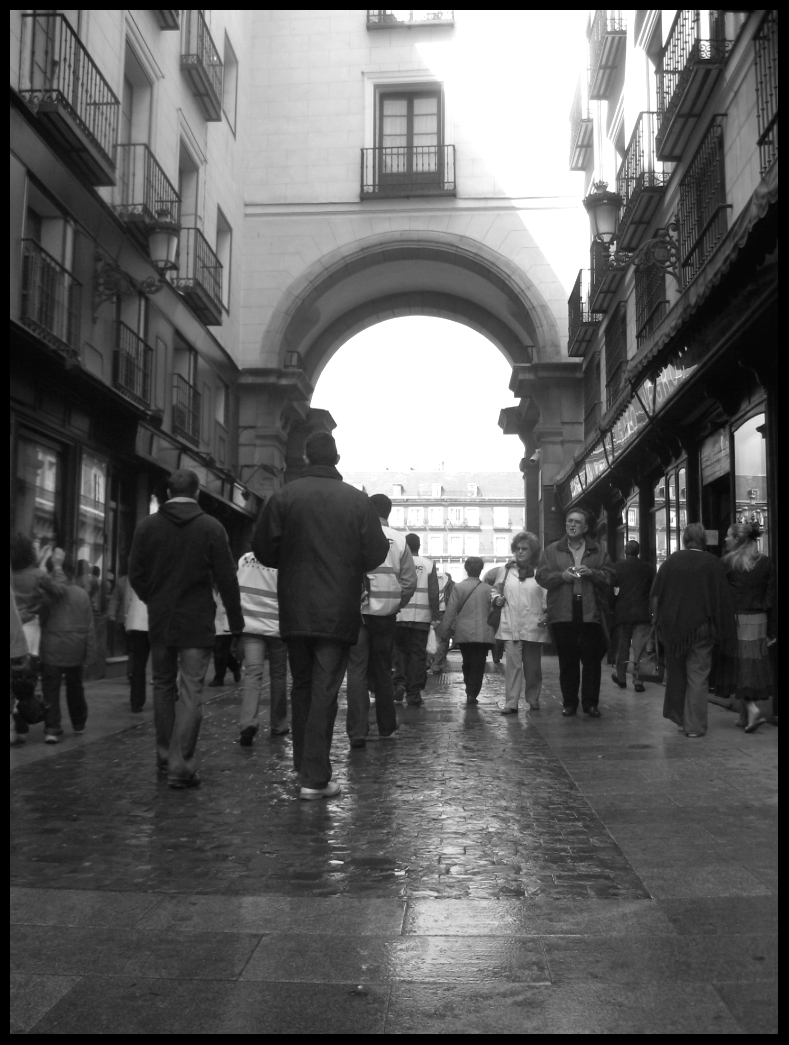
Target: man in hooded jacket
column 177, row 556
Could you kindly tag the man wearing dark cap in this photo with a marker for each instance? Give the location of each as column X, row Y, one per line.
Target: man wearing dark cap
column 177, row 556
column 632, row 583
column 323, row 536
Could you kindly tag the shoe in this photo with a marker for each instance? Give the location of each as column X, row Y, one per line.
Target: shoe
column 694, row 734
column 534, row 707
column 331, row 789
column 79, row 729
column 639, row 687
column 592, row 712
column 358, row 742
column 50, row 738
column 508, row 711
column 388, row 736
column 399, row 694
column 247, row 736
column 181, row 783
column 470, row 701
column 214, row 683
column 136, row 711
column 753, row 726
column 615, row 678
column 415, row 703
column 280, row 732
column 236, row 676
column 567, row 712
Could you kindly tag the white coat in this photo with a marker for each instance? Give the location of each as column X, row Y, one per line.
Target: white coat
column 523, row 609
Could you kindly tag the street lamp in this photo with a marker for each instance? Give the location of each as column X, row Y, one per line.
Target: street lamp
column 110, row 279
column 662, row 249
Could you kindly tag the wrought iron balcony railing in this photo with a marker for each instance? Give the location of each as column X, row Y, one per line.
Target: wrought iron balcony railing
column 186, row 410
column 62, row 84
column 582, row 323
column 765, row 44
column 201, row 62
column 640, row 182
column 199, row 276
column 651, row 301
column 132, row 366
column 603, row 280
column 581, row 130
column 144, row 194
column 50, row 299
column 701, row 214
column 615, row 352
column 607, row 43
column 391, row 19
column 421, row 170
column 690, row 64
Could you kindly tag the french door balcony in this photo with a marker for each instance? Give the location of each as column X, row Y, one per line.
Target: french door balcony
column 199, row 276
column 421, row 170
column 50, row 299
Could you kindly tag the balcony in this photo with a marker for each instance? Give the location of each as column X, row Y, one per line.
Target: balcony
column 400, row 171
column 641, row 182
column 765, row 44
column 690, row 65
column 607, row 43
column 581, row 131
column 406, row 19
column 201, row 62
column 702, row 210
column 62, row 85
column 50, row 299
column 132, row 366
column 582, row 324
column 199, row 277
column 144, row 196
column 603, row 281
column 168, row 19
column 186, row 410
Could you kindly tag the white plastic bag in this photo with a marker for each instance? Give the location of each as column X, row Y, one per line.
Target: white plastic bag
column 32, row 632
column 432, row 642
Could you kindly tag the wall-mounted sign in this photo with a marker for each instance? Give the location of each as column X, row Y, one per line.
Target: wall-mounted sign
column 575, row 487
column 668, row 381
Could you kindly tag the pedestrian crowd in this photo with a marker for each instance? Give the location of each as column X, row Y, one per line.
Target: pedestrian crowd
column 331, row 589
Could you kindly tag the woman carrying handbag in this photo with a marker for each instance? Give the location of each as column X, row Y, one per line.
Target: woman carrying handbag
column 467, row 615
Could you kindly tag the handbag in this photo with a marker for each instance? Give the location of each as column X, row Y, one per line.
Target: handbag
column 651, row 667
column 494, row 617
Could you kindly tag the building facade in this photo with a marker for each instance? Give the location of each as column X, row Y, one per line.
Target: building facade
column 454, row 514
column 674, row 318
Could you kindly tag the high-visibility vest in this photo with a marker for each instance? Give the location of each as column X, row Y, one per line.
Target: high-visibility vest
column 383, row 594
column 258, row 587
column 418, row 609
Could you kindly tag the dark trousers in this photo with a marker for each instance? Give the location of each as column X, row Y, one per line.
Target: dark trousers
column 317, row 667
column 474, row 656
column 51, row 675
column 580, row 647
column 411, row 661
column 224, row 659
column 371, row 657
column 139, row 650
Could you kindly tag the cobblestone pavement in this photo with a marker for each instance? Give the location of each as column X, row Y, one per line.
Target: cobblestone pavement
column 479, row 873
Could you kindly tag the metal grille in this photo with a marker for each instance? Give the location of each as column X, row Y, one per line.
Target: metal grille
column 197, row 263
column 638, row 169
column 132, row 365
column 199, row 50
column 50, row 297
column 702, row 204
column 604, row 25
column 591, row 396
column 598, row 266
column 615, row 352
column 144, row 191
column 186, row 410
column 56, row 68
column 581, row 129
column 651, row 302
column 418, row 170
column 765, row 45
column 686, row 46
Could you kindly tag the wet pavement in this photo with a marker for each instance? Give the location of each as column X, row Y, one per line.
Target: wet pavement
column 478, row 874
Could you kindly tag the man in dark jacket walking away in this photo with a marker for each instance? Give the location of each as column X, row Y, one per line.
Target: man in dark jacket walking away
column 177, row 556
column 323, row 536
column 632, row 583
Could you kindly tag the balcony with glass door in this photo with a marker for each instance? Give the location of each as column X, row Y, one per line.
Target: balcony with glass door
column 201, row 63
column 581, row 130
column 199, row 277
column 132, row 366
column 144, row 196
column 582, row 323
column 50, row 299
column 186, row 410
column 690, row 64
column 410, row 159
column 62, row 85
column 603, row 280
column 641, row 182
column 607, row 46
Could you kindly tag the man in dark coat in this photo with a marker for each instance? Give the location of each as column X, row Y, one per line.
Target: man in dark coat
column 323, row 536
column 632, row 583
column 177, row 556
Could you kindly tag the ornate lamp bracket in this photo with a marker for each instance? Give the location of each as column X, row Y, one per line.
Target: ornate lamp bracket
column 109, row 280
column 662, row 250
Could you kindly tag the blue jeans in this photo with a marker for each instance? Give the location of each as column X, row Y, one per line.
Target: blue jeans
column 256, row 649
column 372, row 655
column 412, row 661
column 316, row 668
column 178, row 678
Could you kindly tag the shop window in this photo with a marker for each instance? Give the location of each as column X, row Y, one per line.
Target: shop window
column 91, row 527
column 38, row 508
column 750, row 476
column 716, row 491
column 659, row 521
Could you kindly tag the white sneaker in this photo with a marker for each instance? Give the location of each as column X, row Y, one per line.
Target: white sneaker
column 331, row 789
column 50, row 738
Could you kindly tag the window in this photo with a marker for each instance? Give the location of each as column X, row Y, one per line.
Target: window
column 591, row 395
column 90, row 532
column 702, row 206
column 38, row 510
column 651, row 301
column 436, row 490
column 224, row 248
column 473, row 490
column 472, row 516
column 502, row 547
column 455, row 516
column 750, row 476
column 456, row 545
column 416, row 516
column 230, row 84
column 472, row 544
column 615, row 351
column 501, row 518
column 409, row 132
column 659, row 521
column 222, row 399
column 188, row 172
column 50, row 293
column 135, row 103
column 436, row 545
column 397, row 517
column 397, row 490
column 435, row 516
column 766, row 54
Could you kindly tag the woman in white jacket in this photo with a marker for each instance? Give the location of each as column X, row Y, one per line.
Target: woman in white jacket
column 522, row 626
